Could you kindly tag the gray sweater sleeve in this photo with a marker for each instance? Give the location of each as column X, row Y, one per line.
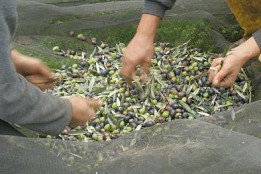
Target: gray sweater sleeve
column 158, row 7
column 257, row 37
column 20, row 101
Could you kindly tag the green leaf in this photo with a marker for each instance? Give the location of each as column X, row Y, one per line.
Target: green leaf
column 97, row 67
column 163, row 84
column 233, row 114
column 118, row 102
column 245, row 87
column 91, row 85
column 112, row 120
column 118, row 49
column 187, row 108
column 138, row 128
column 204, row 114
column 93, row 52
column 199, row 58
column 189, row 89
column 197, row 97
column 152, row 88
column 99, row 90
column 161, row 105
column 77, row 132
column 113, row 93
column 240, row 94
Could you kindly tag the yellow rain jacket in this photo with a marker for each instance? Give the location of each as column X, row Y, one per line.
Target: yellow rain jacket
column 247, row 13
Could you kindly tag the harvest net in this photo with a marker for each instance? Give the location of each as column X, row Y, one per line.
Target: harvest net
column 219, row 139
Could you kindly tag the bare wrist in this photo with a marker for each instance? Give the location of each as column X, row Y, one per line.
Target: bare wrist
column 247, row 50
column 144, row 38
column 241, row 55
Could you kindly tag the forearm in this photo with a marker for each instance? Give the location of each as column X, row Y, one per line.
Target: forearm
column 148, row 27
column 16, row 59
column 247, row 50
column 20, row 101
column 24, row 104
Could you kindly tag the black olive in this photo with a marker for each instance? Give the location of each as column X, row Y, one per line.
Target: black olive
column 185, row 115
column 211, row 91
column 131, row 114
column 149, row 123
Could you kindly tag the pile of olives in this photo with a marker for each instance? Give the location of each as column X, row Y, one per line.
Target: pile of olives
column 177, row 88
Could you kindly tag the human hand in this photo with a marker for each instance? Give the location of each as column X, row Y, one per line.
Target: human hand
column 225, row 75
column 232, row 64
column 34, row 70
column 83, row 110
column 139, row 52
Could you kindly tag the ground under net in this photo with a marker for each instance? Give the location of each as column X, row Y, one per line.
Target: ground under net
column 182, row 146
column 228, row 142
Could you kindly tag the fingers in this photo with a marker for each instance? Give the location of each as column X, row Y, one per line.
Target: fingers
column 128, row 69
column 146, row 66
column 212, row 71
column 224, row 78
column 226, row 82
column 41, row 82
column 43, row 70
column 38, row 78
column 45, row 86
column 83, row 109
column 94, row 104
column 219, row 77
column 145, row 70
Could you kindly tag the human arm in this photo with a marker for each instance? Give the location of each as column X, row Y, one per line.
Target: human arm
column 23, row 103
column 235, row 61
column 140, row 50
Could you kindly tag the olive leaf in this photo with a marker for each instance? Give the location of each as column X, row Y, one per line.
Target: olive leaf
column 204, row 114
column 201, row 59
column 98, row 91
column 163, row 84
column 118, row 102
column 93, row 52
column 233, row 114
column 201, row 108
column 113, row 93
column 77, row 132
column 241, row 95
column 161, row 105
column 118, row 49
column 91, row 85
column 189, row 89
column 196, row 97
column 138, row 128
column 187, row 108
column 112, row 120
column 97, row 67
column 245, row 87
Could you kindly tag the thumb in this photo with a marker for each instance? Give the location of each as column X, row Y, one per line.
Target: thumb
column 220, row 76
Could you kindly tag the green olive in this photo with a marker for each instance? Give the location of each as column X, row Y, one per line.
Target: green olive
column 165, row 114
